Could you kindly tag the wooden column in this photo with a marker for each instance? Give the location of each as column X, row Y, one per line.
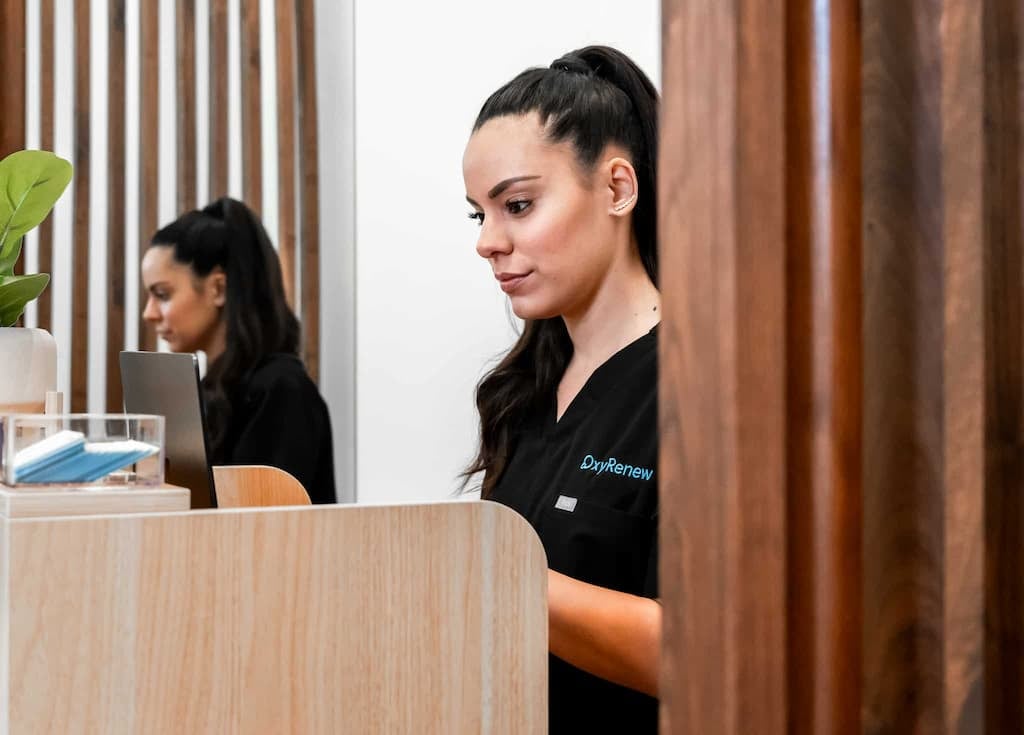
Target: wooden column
column 723, row 380
column 823, row 365
column 887, row 498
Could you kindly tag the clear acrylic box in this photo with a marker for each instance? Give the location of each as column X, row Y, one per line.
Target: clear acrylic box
column 83, row 450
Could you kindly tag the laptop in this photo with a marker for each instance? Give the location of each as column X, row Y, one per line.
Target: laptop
column 167, row 384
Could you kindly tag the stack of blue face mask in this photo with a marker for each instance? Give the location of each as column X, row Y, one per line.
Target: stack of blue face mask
column 66, row 457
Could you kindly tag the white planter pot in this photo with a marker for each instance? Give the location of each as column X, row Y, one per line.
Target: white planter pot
column 28, row 369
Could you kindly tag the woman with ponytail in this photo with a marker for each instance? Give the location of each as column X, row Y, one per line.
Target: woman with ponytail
column 213, row 284
column 560, row 172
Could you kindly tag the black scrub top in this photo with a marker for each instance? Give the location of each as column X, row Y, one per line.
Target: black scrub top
column 279, row 419
column 588, row 485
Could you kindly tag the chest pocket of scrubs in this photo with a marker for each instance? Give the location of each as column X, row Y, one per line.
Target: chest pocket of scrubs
column 598, row 545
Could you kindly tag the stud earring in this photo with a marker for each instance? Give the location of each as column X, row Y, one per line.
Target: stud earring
column 622, row 205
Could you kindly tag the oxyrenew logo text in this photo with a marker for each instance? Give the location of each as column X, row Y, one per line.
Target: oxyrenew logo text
column 614, row 466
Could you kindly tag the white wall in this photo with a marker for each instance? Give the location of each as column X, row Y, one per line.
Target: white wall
column 429, row 316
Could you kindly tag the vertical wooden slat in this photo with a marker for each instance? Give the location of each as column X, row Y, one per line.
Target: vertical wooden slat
column 963, row 571
column 823, row 366
column 12, row 96
column 186, row 99
column 46, row 133
column 252, row 138
column 149, row 154
column 12, row 91
column 80, row 232
column 309, row 182
column 1004, row 350
column 286, row 96
column 116, row 236
column 903, row 367
column 722, row 420
column 218, row 99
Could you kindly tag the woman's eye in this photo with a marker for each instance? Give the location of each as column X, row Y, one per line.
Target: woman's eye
column 478, row 217
column 517, row 206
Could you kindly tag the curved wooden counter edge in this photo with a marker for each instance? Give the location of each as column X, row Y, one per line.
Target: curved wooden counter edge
column 315, row 620
column 252, row 486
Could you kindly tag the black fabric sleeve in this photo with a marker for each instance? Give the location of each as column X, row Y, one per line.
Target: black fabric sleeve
column 651, row 581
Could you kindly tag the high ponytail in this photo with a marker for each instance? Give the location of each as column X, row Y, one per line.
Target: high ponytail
column 591, row 98
column 227, row 234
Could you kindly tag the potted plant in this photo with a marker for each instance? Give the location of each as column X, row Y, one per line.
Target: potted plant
column 31, row 182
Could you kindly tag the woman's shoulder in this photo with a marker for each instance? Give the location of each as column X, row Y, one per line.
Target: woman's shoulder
column 279, row 371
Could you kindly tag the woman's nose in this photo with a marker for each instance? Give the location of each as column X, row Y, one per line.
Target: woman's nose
column 493, row 241
column 151, row 313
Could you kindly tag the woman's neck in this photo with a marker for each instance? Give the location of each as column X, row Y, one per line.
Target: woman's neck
column 216, row 344
column 625, row 307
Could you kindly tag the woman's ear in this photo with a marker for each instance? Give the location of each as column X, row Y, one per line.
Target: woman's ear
column 623, row 186
column 217, row 285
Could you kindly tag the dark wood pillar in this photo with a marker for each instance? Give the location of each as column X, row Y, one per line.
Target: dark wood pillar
column 723, row 374
column 842, row 379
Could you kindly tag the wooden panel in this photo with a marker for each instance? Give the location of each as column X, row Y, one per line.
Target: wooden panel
column 823, row 358
column 80, row 232
column 46, row 133
column 218, row 102
column 425, row 619
column 309, row 183
column 722, row 419
column 12, row 91
column 186, row 97
column 250, row 486
column 116, row 235
column 286, row 96
column 252, row 137
column 149, row 142
column 1003, row 44
column 51, row 501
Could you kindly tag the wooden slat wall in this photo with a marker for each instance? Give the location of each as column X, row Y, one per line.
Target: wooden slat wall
column 116, row 236
column 149, row 142
column 286, row 142
column 903, row 359
column 80, row 230
column 252, row 127
column 309, row 182
column 293, row 40
column 218, row 99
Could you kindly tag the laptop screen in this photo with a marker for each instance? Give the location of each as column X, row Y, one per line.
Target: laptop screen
column 167, row 384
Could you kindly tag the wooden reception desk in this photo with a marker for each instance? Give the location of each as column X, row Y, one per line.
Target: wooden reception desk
column 319, row 619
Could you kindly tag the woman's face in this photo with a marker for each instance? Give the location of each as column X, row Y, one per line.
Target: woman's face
column 185, row 310
column 543, row 227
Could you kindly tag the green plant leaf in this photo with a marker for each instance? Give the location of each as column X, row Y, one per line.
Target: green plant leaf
column 16, row 292
column 31, row 182
column 7, row 262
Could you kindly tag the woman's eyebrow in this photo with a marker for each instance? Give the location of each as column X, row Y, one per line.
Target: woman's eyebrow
column 501, row 186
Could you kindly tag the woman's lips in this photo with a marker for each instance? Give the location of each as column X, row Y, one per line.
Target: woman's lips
column 511, row 281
